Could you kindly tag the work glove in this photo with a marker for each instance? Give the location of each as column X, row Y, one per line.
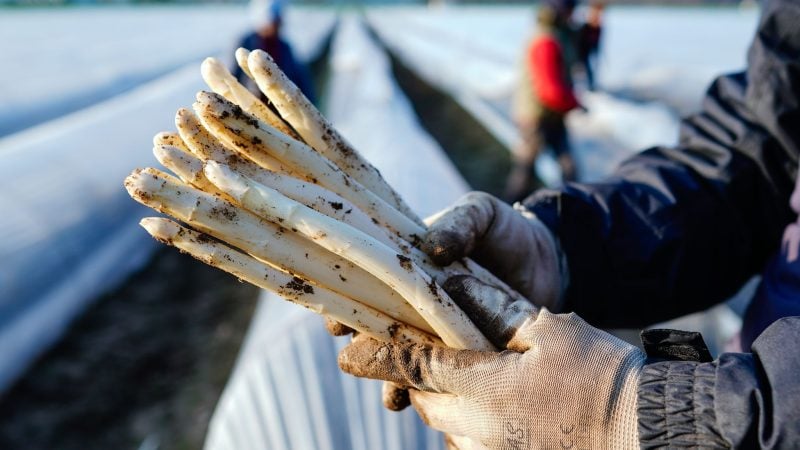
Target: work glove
column 561, row 384
column 510, row 242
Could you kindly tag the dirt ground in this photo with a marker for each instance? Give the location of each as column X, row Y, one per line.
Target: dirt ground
column 146, row 362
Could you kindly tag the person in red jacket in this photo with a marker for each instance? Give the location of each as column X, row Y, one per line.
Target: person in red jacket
column 544, row 97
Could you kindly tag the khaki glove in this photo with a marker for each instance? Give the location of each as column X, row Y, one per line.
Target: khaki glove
column 510, row 242
column 565, row 384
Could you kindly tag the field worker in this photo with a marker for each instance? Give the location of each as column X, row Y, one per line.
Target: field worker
column 674, row 230
column 268, row 16
column 588, row 42
column 543, row 97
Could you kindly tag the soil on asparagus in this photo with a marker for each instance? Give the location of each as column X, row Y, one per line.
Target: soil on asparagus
column 142, row 368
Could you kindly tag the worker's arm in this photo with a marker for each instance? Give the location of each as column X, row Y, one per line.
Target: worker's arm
column 675, row 230
column 566, row 384
column 741, row 400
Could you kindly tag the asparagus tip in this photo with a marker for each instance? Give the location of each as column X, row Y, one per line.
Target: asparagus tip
column 163, row 230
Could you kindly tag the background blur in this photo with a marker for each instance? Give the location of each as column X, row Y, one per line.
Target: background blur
column 108, row 340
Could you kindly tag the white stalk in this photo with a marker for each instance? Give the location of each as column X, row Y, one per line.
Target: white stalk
column 396, row 270
column 291, row 287
column 186, row 166
column 169, row 138
column 221, row 81
column 267, row 241
column 241, row 58
column 309, row 123
column 264, row 145
column 314, row 196
column 205, row 146
column 257, row 139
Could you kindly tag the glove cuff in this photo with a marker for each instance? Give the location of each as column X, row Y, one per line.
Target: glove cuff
column 623, row 429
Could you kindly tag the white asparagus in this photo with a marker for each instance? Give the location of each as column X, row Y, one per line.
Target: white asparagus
column 291, row 287
column 186, row 166
column 241, row 55
column 220, row 80
column 263, row 144
column 396, row 270
column 314, row 196
column 256, row 139
column 267, row 241
column 205, row 146
column 309, row 123
column 190, row 169
column 169, row 138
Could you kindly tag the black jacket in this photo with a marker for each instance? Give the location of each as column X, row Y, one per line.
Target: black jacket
column 675, row 230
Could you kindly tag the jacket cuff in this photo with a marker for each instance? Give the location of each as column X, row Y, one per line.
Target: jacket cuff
column 676, row 405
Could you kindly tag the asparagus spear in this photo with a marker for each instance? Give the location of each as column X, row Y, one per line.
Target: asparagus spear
column 241, row 55
column 168, row 138
column 396, row 270
column 205, row 146
column 190, row 170
column 291, row 287
column 186, row 166
column 266, row 241
column 220, row 80
column 309, row 123
column 263, row 144
column 255, row 139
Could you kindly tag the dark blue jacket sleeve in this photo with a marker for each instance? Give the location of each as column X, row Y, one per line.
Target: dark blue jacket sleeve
column 741, row 400
column 675, row 230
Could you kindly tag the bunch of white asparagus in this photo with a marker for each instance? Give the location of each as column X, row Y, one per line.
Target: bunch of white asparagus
column 272, row 194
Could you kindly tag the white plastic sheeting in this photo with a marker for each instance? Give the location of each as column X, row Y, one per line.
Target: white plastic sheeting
column 61, row 60
column 286, row 391
column 70, row 231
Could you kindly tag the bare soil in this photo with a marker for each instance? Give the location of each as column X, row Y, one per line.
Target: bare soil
column 146, row 362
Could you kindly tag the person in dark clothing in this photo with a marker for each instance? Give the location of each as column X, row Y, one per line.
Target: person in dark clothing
column 673, row 230
column 589, row 42
column 267, row 37
column 778, row 295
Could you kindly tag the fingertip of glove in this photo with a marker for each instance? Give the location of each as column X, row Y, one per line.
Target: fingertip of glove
column 443, row 246
column 395, row 398
column 359, row 358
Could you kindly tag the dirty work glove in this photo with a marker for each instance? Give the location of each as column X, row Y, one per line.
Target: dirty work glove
column 563, row 384
column 510, row 242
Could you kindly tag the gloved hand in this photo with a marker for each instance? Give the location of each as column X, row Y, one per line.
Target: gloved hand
column 510, row 242
column 565, row 384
